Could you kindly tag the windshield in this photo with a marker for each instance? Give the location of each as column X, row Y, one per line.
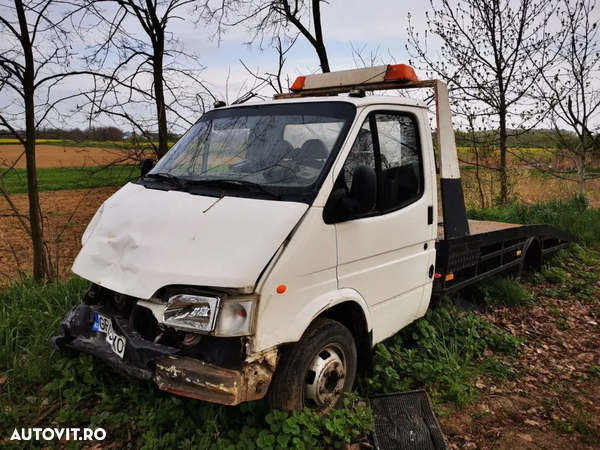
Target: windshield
column 286, row 148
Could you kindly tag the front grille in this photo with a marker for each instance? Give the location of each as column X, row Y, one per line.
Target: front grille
column 405, row 421
column 144, row 322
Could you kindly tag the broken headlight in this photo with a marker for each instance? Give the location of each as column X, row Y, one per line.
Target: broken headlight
column 194, row 313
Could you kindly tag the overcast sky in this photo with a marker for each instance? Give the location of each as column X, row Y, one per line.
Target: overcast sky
column 347, row 23
column 375, row 26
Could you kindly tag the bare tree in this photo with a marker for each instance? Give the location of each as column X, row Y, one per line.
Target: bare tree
column 150, row 50
column 572, row 94
column 35, row 58
column 491, row 56
column 272, row 19
column 274, row 80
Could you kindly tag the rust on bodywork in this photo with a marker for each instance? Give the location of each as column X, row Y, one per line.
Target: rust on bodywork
column 194, row 378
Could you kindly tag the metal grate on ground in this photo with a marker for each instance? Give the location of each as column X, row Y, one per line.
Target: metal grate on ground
column 406, row 421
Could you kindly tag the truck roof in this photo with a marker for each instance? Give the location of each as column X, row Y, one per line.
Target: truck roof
column 358, row 101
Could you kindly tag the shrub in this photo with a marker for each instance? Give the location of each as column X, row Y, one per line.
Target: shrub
column 497, row 291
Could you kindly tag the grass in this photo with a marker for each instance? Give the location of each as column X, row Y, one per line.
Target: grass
column 443, row 352
column 29, row 315
column 446, row 352
column 501, row 291
column 572, row 216
column 572, row 274
column 80, row 392
column 68, row 178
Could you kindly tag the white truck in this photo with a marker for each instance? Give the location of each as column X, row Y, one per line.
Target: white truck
column 276, row 243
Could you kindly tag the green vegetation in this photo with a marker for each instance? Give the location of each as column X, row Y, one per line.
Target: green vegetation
column 572, row 216
column 444, row 352
column 537, row 138
column 572, row 274
column 580, row 421
column 499, row 291
column 81, row 392
column 67, row 178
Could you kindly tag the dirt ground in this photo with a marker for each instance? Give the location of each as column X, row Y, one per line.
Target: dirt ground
column 554, row 403
column 66, row 215
column 59, row 156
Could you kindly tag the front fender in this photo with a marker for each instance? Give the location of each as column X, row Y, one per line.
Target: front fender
column 273, row 331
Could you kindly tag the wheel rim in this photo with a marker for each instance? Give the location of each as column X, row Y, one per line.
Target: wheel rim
column 325, row 378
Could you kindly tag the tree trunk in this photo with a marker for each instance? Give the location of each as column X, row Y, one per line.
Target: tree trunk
column 320, row 43
column 40, row 256
column 581, row 175
column 503, row 149
column 159, row 94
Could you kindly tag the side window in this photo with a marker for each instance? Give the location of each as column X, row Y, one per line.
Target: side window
column 362, row 153
column 395, row 154
column 401, row 162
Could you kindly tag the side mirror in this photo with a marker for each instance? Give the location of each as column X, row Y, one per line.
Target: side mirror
column 363, row 193
column 146, row 166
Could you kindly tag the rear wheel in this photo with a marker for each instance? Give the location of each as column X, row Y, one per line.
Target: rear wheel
column 316, row 371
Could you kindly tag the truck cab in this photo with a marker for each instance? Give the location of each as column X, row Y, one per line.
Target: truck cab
column 273, row 246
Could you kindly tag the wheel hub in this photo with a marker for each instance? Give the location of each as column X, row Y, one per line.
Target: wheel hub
column 325, row 378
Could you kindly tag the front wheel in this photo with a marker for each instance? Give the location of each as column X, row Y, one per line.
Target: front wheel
column 317, row 370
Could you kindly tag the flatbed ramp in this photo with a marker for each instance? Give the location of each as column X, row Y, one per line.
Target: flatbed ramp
column 480, row 227
column 406, row 421
column 491, row 248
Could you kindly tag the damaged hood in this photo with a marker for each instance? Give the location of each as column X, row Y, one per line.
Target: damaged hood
column 143, row 239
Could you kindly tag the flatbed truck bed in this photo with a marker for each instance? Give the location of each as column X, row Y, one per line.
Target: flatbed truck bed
column 492, row 248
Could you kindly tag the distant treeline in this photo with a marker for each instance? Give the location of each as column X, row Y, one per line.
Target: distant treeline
column 99, row 134
column 536, row 138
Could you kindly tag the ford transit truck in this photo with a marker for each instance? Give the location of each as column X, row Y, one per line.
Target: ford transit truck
column 277, row 242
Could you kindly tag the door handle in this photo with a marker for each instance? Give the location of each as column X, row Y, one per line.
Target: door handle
column 429, row 215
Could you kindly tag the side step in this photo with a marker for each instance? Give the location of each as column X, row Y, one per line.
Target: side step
column 406, row 421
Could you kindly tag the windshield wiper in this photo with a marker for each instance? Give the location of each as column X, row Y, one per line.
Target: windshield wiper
column 167, row 177
column 244, row 183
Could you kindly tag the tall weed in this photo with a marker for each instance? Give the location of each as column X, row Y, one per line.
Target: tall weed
column 444, row 351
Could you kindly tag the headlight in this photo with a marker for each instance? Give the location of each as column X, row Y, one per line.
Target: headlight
column 235, row 318
column 194, row 313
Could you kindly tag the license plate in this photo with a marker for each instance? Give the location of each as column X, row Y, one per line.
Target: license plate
column 117, row 343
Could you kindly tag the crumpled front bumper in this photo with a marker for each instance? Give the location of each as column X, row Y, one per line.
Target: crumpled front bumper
column 173, row 373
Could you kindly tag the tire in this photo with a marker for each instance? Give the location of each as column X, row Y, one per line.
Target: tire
column 317, row 370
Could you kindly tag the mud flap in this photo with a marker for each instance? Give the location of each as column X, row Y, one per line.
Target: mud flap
column 406, row 421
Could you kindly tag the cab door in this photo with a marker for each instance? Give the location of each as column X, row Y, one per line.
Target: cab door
column 385, row 253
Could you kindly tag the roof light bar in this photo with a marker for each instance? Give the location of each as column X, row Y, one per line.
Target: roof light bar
column 356, row 77
column 368, row 78
column 400, row 72
column 298, row 84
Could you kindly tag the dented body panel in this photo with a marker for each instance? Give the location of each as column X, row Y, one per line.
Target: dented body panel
column 143, row 239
